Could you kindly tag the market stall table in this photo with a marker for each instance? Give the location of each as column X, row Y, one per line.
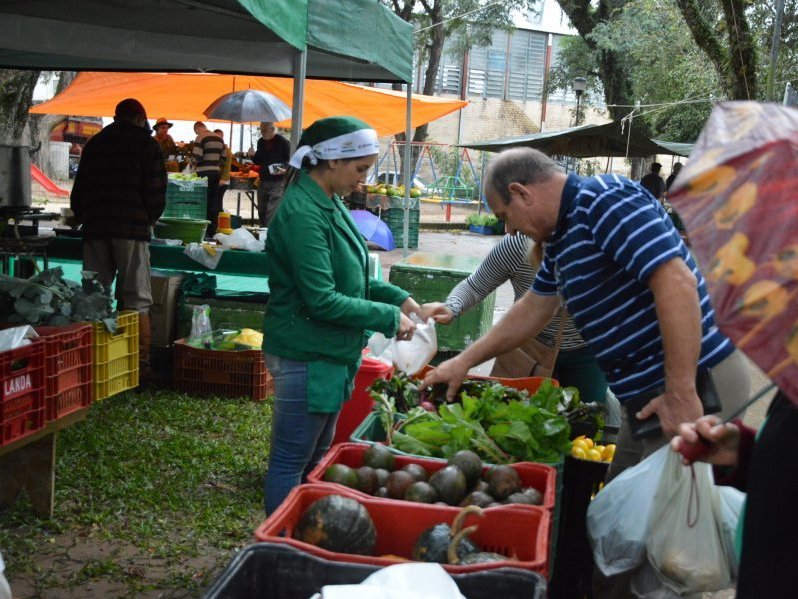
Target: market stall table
column 29, row 463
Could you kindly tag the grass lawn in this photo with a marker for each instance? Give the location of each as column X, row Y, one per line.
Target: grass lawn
column 154, row 493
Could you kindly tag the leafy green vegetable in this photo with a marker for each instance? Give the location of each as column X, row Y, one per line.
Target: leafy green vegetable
column 49, row 299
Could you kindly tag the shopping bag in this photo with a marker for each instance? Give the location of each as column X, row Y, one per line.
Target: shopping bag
column 731, row 508
column 618, row 518
column 685, row 544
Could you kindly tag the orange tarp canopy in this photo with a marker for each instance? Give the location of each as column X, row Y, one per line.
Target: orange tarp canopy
column 183, row 96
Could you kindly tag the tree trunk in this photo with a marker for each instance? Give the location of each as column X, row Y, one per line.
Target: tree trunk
column 41, row 126
column 438, row 37
column 16, row 96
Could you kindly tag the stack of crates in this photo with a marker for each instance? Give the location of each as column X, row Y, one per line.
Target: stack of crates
column 116, row 356
column 395, row 219
column 430, row 277
column 186, row 199
column 68, row 368
column 22, row 410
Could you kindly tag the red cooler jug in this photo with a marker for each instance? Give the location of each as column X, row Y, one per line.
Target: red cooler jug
column 358, row 407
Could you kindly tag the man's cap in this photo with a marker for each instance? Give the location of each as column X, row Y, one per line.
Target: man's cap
column 162, row 121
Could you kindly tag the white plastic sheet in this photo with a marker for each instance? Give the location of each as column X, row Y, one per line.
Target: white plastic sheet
column 240, row 239
column 402, row 581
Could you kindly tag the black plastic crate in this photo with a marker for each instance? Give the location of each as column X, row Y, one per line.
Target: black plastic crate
column 277, row 571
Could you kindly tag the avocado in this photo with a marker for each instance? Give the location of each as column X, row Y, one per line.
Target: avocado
column 450, row 483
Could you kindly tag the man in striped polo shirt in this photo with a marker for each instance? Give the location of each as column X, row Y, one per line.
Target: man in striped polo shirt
column 630, row 284
column 208, row 151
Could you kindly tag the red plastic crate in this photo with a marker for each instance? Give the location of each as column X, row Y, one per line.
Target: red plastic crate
column 518, row 530
column 67, row 369
column 529, row 383
column 540, row 476
column 199, row 371
column 21, row 392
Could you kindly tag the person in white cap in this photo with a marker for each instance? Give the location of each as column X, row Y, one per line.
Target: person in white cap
column 322, row 300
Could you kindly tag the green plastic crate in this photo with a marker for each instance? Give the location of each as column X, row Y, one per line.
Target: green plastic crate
column 184, row 201
column 429, row 278
column 395, row 219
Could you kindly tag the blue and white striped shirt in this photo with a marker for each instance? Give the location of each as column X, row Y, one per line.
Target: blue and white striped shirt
column 611, row 236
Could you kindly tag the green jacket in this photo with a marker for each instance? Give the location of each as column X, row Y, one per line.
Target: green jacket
column 321, row 298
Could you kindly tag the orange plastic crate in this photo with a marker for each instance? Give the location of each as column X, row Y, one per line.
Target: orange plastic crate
column 116, row 357
column 200, row 371
column 540, row 476
column 67, row 369
column 517, row 530
column 21, row 392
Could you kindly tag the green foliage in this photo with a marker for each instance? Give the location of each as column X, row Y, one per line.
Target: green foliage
column 172, row 477
column 482, row 220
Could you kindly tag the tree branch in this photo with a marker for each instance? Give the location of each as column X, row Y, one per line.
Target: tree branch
column 706, row 39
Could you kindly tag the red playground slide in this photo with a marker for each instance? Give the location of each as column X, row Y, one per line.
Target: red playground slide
column 46, row 181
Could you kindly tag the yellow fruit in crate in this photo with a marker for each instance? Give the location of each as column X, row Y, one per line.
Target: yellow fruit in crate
column 609, row 452
column 578, row 452
column 599, row 448
column 580, row 443
column 589, row 442
column 593, row 455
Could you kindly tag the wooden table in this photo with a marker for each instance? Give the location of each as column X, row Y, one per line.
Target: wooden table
column 29, row 464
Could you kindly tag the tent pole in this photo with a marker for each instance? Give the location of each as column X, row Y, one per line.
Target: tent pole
column 407, row 175
column 300, row 71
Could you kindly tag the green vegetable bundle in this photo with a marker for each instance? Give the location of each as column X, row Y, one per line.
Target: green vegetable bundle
column 49, row 299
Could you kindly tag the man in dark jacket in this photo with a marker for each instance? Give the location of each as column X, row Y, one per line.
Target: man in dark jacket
column 119, row 193
column 653, row 182
column 272, row 157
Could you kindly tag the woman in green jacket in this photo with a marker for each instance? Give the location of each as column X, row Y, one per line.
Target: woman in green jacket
column 322, row 300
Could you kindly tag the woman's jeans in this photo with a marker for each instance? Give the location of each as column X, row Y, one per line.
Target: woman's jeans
column 299, row 438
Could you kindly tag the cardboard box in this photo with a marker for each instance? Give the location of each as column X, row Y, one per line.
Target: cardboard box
column 163, row 312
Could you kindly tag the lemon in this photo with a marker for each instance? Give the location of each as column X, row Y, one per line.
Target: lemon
column 599, row 448
column 580, row 443
column 578, row 452
column 609, row 452
column 593, row 455
column 589, row 442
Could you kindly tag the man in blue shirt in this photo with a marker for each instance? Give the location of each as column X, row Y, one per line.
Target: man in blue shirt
column 629, row 283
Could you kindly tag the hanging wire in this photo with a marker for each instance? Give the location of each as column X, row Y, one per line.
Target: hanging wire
column 465, row 14
column 739, row 48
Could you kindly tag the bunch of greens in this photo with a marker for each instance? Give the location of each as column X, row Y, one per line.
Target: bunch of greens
column 49, row 299
column 402, row 390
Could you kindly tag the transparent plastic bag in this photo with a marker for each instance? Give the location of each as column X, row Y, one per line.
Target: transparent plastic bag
column 200, row 322
column 685, row 545
column 409, row 356
column 618, row 519
column 731, row 506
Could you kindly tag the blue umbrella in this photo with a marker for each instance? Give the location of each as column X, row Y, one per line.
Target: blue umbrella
column 373, row 229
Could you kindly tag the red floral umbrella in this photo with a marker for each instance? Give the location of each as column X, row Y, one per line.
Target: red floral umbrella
column 738, row 197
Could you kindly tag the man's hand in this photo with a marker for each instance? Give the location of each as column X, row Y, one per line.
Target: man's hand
column 452, row 372
column 673, row 409
column 410, row 306
column 438, row 311
column 722, row 440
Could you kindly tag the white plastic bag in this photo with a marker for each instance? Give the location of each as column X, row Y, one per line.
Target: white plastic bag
column 16, row 337
column 618, row 518
column 685, row 545
column 402, row 581
column 198, row 252
column 409, row 356
column 240, row 239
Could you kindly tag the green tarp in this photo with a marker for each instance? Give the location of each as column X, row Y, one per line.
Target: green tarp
column 358, row 40
column 610, row 139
